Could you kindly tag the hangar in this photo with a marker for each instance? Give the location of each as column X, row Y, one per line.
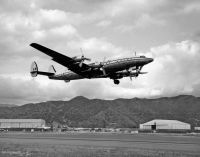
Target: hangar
column 160, row 124
column 22, row 124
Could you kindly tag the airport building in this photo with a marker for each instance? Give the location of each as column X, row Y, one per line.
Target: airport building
column 197, row 128
column 165, row 125
column 22, row 124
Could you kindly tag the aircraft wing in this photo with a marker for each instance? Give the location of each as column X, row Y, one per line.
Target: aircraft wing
column 66, row 61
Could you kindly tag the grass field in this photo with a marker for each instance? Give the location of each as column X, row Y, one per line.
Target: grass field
column 98, row 145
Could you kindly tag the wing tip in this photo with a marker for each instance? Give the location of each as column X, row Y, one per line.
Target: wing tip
column 33, row 44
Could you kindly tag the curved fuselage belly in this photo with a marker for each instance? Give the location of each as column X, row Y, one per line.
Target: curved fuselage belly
column 67, row 76
column 109, row 68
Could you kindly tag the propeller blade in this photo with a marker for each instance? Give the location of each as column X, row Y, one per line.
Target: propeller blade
column 104, row 72
column 83, row 57
column 102, row 63
column 82, row 52
column 81, row 64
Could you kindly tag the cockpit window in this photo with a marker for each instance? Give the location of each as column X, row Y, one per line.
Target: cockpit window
column 142, row 57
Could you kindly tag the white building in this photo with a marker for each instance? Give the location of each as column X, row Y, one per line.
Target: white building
column 160, row 124
column 21, row 123
column 197, row 128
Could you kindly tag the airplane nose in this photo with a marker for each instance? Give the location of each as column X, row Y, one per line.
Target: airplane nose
column 150, row 60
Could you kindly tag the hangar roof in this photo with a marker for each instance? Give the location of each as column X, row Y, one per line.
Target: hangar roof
column 164, row 122
column 21, row 120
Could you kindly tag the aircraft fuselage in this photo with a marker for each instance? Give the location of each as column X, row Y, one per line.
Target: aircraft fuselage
column 110, row 66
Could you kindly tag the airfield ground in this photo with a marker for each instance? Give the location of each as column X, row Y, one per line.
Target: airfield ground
column 98, row 144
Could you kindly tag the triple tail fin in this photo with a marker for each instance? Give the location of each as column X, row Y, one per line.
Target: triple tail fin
column 34, row 70
column 52, row 69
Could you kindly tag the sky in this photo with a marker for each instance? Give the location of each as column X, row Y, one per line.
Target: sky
column 166, row 30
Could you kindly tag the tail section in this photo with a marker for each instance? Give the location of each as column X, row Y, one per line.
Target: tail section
column 34, row 70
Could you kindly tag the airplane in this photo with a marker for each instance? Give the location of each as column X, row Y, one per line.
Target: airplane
column 77, row 69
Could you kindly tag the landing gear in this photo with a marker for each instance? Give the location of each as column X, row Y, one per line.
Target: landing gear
column 116, row 81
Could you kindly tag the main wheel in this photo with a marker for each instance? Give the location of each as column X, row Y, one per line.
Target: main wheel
column 116, row 81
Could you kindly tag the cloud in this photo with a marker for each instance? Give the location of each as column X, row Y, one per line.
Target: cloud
column 59, row 17
column 65, row 30
column 104, row 23
column 19, row 30
column 175, row 69
column 173, row 72
column 146, row 20
column 162, row 29
column 97, row 48
column 53, row 15
column 21, row 90
column 119, row 8
column 124, row 28
column 191, row 7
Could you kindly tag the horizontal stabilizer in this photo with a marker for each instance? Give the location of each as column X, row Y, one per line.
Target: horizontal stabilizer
column 143, row 72
column 34, row 71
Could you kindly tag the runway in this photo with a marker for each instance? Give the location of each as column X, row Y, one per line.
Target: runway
column 166, row 143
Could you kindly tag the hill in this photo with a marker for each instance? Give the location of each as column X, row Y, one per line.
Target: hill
column 7, row 105
column 83, row 112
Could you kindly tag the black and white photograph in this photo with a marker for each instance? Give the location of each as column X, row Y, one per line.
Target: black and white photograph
column 99, row 78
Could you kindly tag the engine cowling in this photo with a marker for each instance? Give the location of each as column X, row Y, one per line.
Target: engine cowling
column 82, row 58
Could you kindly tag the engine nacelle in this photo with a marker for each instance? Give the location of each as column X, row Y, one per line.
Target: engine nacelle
column 80, row 59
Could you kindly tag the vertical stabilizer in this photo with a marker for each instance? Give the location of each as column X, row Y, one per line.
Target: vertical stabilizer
column 52, row 69
column 34, row 69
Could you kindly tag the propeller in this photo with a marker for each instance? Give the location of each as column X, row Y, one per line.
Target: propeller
column 101, row 66
column 136, row 74
column 81, row 63
column 104, row 72
column 131, row 78
column 141, row 68
column 82, row 59
column 129, row 72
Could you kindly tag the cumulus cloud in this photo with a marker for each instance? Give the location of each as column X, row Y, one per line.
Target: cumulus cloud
column 160, row 29
column 173, row 72
column 22, row 90
column 104, row 23
column 175, row 69
column 96, row 48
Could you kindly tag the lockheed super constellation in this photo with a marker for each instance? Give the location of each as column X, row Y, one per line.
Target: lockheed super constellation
column 77, row 69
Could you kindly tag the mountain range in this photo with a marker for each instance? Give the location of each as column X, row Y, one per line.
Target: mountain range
column 83, row 112
column 7, row 105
